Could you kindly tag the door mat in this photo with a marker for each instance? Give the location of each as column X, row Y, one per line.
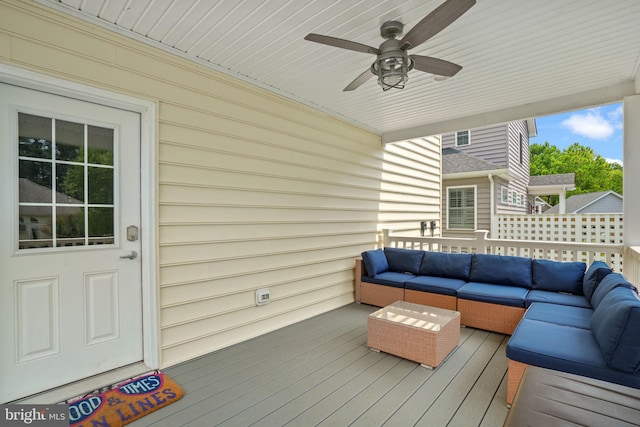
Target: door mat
column 125, row 402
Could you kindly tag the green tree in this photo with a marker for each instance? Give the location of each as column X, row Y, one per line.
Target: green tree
column 592, row 172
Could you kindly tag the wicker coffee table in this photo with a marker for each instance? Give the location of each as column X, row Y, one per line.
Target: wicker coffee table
column 416, row 332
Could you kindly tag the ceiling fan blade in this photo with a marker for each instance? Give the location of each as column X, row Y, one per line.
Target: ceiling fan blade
column 435, row 22
column 359, row 81
column 435, row 65
column 342, row 43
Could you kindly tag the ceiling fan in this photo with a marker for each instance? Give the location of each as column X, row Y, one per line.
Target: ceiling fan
column 393, row 62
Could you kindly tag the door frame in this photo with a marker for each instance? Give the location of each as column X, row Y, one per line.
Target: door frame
column 148, row 184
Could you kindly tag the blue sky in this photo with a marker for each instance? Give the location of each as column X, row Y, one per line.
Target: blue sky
column 599, row 128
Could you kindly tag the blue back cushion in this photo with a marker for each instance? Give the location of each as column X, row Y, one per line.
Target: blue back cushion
column 611, row 281
column 375, row 262
column 403, row 260
column 615, row 325
column 441, row 264
column 558, row 276
column 596, row 272
column 501, row 270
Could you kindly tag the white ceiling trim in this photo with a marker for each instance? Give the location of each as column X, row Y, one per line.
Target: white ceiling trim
column 577, row 101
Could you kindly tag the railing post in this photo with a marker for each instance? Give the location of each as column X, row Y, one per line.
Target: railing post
column 385, row 237
column 481, row 241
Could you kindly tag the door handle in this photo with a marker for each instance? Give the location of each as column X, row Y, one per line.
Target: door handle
column 130, row 255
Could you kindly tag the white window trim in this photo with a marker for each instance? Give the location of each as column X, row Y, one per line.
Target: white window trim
column 468, row 138
column 475, row 206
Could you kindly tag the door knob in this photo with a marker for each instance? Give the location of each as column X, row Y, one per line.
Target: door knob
column 130, row 255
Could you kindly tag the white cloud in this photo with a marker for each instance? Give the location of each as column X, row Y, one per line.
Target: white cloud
column 616, row 117
column 590, row 124
column 614, row 161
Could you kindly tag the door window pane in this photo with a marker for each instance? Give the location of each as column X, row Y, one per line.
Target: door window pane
column 100, row 186
column 34, row 136
column 35, row 227
column 69, row 141
column 69, row 226
column 100, row 146
column 35, row 182
column 69, row 184
column 101, row 226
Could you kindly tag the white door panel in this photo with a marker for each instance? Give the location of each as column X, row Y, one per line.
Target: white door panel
column 70, row 306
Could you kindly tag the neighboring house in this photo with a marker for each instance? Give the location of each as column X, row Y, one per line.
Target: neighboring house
column 598, row 202
column 550, row 184
column 485, row 172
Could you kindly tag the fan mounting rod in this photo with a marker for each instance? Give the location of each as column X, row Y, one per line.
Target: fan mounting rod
column 391, row 29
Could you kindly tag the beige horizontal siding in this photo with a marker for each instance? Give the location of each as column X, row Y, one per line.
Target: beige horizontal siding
column 410, row 186
column 254, row 190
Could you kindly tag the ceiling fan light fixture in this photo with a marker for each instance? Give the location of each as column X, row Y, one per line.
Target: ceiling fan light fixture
column 392, row 69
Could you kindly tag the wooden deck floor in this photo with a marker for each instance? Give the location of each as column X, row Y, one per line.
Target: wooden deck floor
column 321, row 372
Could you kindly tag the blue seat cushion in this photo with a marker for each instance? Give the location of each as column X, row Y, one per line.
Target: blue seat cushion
column 556, row 298
column 592, row 277
column 577, row 317
column 441, row 264
column 496, row 294
column 501, row 270
column 375, row 262
column 438, row 285
column 609, row 282
column 563, row 348
column 616, row 328
column 404, row 260
column 558, row 276
column 389, row 278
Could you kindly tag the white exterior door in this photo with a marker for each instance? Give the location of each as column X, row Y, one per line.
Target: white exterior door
column 70, row 304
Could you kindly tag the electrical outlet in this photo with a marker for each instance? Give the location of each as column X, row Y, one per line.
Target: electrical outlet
column 262, row 296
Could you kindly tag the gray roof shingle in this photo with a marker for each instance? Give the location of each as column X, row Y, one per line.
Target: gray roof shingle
column 557, row 179
column 454, row 161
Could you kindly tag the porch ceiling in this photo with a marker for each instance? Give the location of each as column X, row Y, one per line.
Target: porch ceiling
column 521, row 58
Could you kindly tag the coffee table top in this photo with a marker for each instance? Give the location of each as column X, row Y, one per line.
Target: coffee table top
column 416, row 315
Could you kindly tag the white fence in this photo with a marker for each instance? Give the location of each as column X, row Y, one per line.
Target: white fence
column 583, row 228
column 558, row 251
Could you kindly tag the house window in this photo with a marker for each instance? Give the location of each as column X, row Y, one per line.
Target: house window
column 461, row 208
column 463, row 137
column 67, row 182
column 521, row 149
column 504, row 195
column 514, row 198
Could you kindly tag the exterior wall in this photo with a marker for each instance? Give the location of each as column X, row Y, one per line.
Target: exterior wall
column 254, row 190
column 608, row 204
column 487, row 143
column 519, row 169
column 410, row 187
column 483, row 195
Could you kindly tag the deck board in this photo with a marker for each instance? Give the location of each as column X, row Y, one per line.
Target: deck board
column 321, row 372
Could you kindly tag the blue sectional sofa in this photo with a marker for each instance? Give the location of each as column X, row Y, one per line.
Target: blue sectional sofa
column 601, row 341
column 560, row 316
column 490, row 291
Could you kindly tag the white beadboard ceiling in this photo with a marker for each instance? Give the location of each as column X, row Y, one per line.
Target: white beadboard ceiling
column 521, row 58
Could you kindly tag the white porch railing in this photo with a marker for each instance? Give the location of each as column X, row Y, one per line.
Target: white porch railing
column 558, row 251
column 632, row 264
